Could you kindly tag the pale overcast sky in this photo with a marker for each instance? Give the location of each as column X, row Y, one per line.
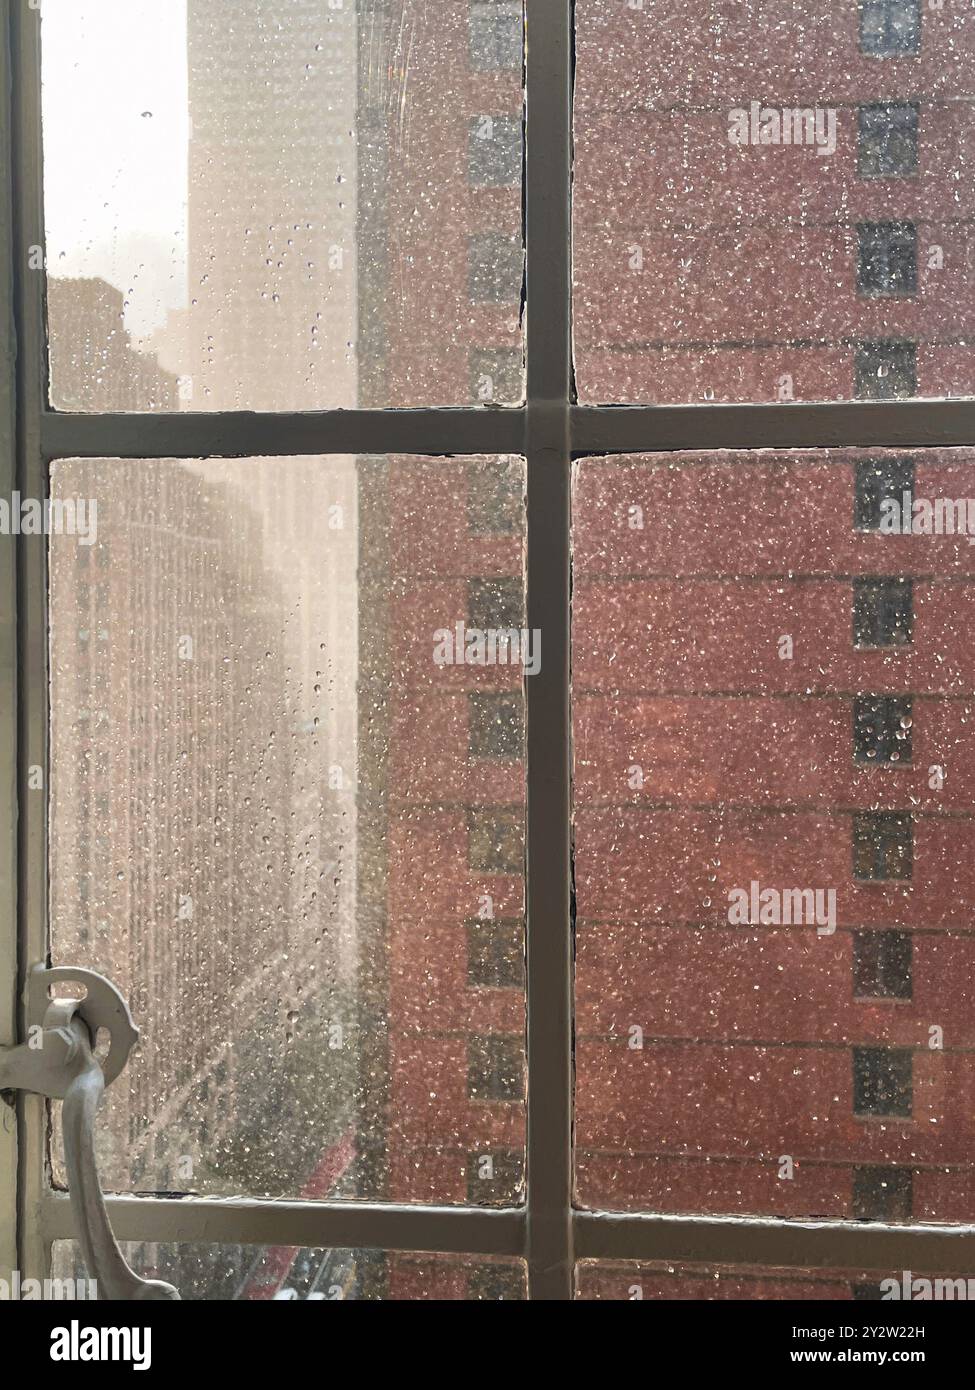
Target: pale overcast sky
column 115, row 136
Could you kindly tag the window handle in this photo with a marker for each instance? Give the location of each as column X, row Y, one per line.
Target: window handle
column 58, row 1061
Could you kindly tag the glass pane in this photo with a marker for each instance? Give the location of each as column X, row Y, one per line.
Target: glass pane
column 774, row 701
column 254, row 1273
column 295, row 207
column 773, row 201
column 287, row 818
column 627, row 1280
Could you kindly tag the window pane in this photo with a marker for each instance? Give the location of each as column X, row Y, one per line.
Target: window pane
column 287, row 818
column 254, row 1273
column 775, row 204
column 774, row 704
column 627, row 1280
column 313, row 206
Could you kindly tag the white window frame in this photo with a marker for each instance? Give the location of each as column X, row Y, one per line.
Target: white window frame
column 549, row 430
column 9, row 1125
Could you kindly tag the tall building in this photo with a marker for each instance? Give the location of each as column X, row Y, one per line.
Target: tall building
column 441, row 773
column 271, row 323
column 721, row 254
column 212, row 868
column 770, row 690
column 94, row 363
column 184, row 864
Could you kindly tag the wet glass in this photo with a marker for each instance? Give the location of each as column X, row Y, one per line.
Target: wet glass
column 619, row 1280
column 773, row 201
column 774, row 696
column 254, row 1273
column 287, row 818
column 309, row 206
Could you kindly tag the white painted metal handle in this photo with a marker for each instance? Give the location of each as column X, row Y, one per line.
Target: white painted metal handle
column 106, row 1264
column 59, row 1062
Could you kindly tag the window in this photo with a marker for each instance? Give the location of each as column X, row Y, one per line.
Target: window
column 495, row 603
column 495, row 1177
column 495, row 1069
column 495, row 501
column 882, row 962
column 339, row 403
column 496, row 953
column 887, row 146
column 886, row 371
column 496, row 1282
column 882, row 1081
column 497, row 376
column 495, row 725
column 883, row 1194
column 883, row 611
column 496, row 35
column 496, row 842
column 887, row 263
column 495, row 268
column 890, row 28
column 494, row 151
column 883, row 845
column 882, row 727
column 879, row 481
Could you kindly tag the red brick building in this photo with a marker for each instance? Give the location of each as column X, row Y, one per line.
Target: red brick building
column 767, row 687
column 441, row 773
column 776, row 1070
column 707, row 270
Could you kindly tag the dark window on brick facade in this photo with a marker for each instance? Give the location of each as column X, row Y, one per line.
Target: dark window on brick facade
column 882, row 1081
column 496, row 1283
column 496, row 842
column 495, row 603
column 886, row 259
column 877, row 481
column 885, row 370
column 497, row 29
column 495, row 725
column 494, row 151
column 497, row 375
column 883, row 1194
column 890, row 28
column 495, row 1178
column 882, row 964
column 887, row 144
column 495, row 499
column 883, row 845
column 867, row 1293
column 882, row 729
column 496, row 1068
column 495, row 264
column 883, row 612
column 496, row 953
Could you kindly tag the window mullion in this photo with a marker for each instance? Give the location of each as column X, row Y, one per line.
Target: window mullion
column 855, row 424
column 478, row 431
column 32, row 667
column 335, row 1225
column 756, row 1241
column 548, row 218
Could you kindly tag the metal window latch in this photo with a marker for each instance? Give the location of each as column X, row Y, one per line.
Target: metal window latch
column 58, row 1061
